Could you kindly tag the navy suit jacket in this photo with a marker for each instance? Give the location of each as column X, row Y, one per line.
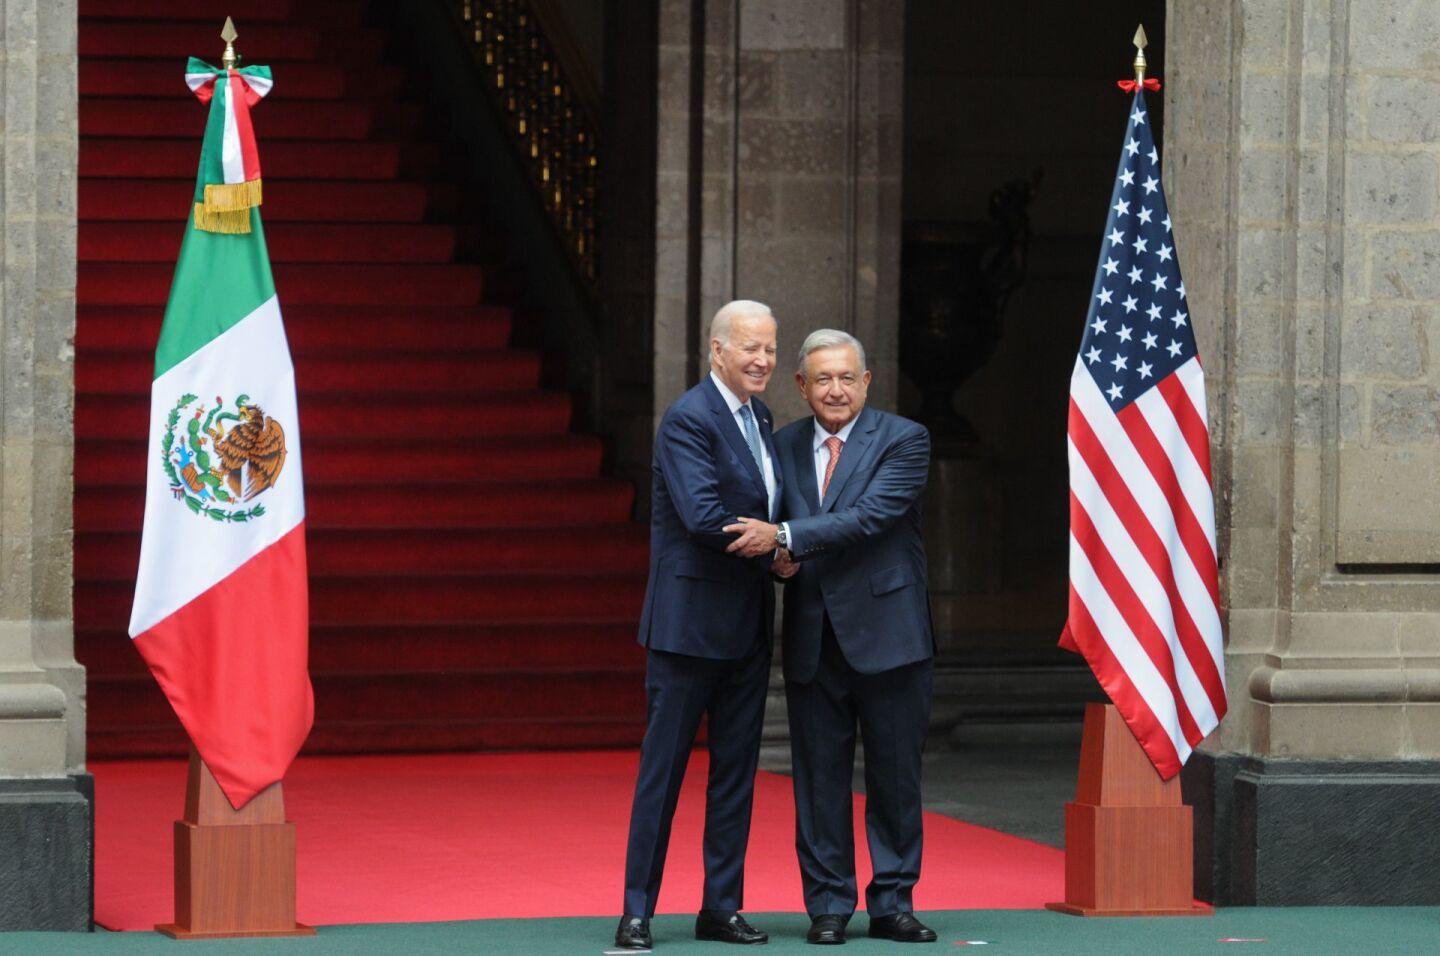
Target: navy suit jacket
column 861, row 555
column 699, row 600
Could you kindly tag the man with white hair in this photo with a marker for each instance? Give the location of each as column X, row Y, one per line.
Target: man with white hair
column 858, row 641
column 707, row 624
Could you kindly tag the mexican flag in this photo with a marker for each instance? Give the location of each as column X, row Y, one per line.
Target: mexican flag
column 221, row 611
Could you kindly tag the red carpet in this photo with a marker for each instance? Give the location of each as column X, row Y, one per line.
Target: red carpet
column 444, row 837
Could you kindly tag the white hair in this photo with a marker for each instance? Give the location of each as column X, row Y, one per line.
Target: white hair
column 829, row 339
column 729, row 312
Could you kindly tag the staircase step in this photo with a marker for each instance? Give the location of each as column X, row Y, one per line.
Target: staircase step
column 439, row 418
column 377, row 648
column 429, row 598
column 466, row 696
column 124, row 377
column 294, row 80
column 346, row 14
column 313, row 326
column 265, row 43
column 409, row 734
column 395, row 243
column 280, row 119
column 100, row 462
column 444, row 503
column 108, row 283
column 626, row 547
column 122, row 158
column 171, row 200
column 256, row 11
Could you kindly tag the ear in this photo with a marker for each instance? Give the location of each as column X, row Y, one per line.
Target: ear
column 864, row 378
column 800, row 381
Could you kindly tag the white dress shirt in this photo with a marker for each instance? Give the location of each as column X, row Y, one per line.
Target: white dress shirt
column 821, row 457
column 767, row 466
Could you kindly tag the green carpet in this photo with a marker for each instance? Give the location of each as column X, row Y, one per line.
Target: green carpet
column 1263, row 932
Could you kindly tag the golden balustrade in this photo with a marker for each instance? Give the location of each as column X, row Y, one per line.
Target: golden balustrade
column 547, row 106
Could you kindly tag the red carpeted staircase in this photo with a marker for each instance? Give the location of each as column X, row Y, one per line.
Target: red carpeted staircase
column 475, row 581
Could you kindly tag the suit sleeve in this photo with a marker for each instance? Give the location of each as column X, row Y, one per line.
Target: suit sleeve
column 687, row 464
column 895, row 486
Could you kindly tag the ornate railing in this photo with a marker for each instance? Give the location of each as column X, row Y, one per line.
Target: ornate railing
column 546, row 106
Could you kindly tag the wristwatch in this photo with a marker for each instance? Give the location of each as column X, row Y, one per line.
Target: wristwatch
column 782, row 540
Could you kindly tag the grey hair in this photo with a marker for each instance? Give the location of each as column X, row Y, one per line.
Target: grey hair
column 829, row 339
column 728, row 313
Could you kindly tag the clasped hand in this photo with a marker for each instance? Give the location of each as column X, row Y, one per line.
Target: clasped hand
column 757, row 537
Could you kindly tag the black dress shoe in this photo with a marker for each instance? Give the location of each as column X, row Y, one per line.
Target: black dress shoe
column 902, row 928
column 633, row 933
column 827, row 930
column 728, row 929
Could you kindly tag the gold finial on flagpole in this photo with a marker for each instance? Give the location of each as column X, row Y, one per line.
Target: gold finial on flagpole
column 229, row 36
column 1140, row 44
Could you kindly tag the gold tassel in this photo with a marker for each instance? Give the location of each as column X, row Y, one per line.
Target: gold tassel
column 230, row 221
column 225, row 197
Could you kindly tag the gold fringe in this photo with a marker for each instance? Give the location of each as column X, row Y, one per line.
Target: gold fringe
column 231, row 221
column 226, row 197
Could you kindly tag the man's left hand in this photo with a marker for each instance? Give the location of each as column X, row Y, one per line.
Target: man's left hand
column 756, row 537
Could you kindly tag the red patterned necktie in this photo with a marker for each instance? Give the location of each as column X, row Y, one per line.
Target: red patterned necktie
column 833, row 444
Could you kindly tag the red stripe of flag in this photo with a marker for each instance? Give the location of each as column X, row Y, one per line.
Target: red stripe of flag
column 1117, row 586
column 1152, row 549
column 1121, row 689
column 1192, row 427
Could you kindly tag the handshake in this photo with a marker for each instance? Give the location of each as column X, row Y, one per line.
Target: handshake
column 759, row 537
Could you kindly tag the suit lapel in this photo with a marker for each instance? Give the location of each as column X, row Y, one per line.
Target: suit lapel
column 861, row 438
column 725, row 421
column 802, row 453
column 767, row 437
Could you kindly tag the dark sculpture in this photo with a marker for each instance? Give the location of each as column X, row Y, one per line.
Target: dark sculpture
column 955, row 279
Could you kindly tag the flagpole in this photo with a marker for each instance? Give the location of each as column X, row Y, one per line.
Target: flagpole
column 1129, row 837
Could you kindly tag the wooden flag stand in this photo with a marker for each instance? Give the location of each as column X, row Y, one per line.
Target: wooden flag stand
column 1129, row 839
column 234, row 869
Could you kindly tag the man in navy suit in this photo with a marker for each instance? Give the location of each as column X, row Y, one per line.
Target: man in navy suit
column 858, row 641
column 707, row 624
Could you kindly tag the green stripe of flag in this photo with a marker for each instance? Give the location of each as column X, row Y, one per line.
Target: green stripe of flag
column 220, row 278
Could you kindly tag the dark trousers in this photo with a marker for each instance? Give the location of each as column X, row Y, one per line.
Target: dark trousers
column 679, row 690
column 892, row 711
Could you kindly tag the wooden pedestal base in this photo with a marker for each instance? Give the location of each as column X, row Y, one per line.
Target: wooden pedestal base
column 234, row 869
column 1129, row 840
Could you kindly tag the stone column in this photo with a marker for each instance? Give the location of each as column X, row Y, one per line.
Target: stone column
column 45, row 796
column 1303, row 168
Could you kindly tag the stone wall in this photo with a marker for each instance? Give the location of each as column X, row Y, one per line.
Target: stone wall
column 778, row 179
column 1303, row 176
column 45, row 816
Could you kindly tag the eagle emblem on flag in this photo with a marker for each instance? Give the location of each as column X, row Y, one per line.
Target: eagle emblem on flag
column 222, row 458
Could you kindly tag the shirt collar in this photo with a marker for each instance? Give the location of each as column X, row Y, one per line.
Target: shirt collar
column 731, row 400
column 843, row 434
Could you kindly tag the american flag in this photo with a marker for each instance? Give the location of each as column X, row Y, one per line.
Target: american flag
column 1144, row 592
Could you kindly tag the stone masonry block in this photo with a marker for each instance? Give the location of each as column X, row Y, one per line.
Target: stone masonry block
column 1386, row 188
column 1404, row 415
column 813, row 83
column 757, row 84
column 792, row 24
column 1384, row 341
column 1265, row 25
column 807, row 147
column 1394, row 34
column 1406, row 265
column 1262, row 176
column 1262, row 109
column 1404, row 109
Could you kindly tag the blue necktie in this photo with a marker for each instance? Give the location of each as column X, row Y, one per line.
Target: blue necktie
column 752, row 436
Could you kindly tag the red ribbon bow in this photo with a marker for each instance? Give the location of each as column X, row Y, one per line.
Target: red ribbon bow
column 1130, row 86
